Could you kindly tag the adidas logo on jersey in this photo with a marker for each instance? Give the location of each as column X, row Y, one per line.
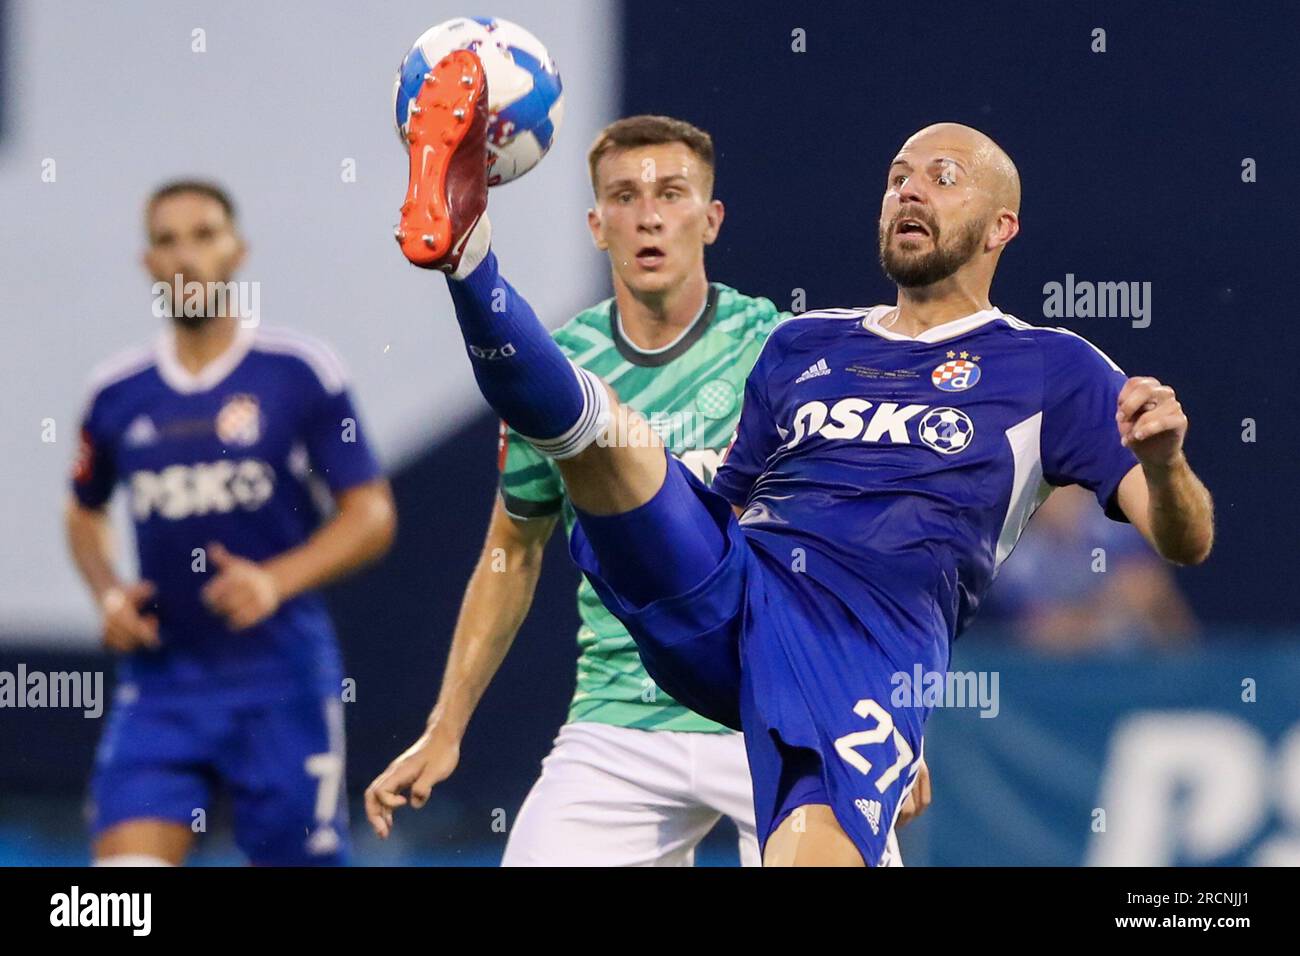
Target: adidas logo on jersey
column 815, row 370
column 871, row 810
column 946, row 430
column 218, row 487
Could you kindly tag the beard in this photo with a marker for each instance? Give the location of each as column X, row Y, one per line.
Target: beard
column 192, row 311
column 191, row 322
column 912, row 270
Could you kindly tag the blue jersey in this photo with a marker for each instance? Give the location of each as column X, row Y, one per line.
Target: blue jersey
column 245, row 453
column 899, row 472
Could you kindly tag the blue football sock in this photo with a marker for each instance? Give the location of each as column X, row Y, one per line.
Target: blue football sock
column 520, row 370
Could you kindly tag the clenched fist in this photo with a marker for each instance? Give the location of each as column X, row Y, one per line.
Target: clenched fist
column 125, row 627
column 1151, row 421
column 243, row 592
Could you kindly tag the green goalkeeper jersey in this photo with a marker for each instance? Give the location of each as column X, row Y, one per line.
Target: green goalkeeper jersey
column 690, row 391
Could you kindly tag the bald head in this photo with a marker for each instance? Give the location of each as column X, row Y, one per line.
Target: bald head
column 986, row 161
column 951, row 203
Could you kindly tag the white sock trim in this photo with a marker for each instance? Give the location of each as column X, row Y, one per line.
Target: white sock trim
column 596, row 413
column 131, row 859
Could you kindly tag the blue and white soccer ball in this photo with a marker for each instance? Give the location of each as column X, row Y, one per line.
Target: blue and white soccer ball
column 946, row 430
column 525, row 98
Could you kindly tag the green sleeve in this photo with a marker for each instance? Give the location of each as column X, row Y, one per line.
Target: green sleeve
column 531, row 486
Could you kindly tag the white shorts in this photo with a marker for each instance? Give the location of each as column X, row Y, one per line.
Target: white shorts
column 617, row 796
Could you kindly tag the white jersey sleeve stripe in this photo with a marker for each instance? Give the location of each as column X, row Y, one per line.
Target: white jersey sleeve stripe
column 1023, row 326
column 1109, row 361
column 318, row 356
column 120, row 366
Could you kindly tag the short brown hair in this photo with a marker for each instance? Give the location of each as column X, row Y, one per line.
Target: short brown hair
column 179, row 187
column 634, row 131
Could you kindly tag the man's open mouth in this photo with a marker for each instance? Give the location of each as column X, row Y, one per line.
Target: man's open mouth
column 911, row 227
column 650, row 255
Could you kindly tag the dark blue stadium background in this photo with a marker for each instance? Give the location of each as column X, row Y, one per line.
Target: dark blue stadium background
column 1131, row 165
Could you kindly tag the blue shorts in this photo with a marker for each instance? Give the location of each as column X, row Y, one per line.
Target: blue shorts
column 281, row 763
column 763, row 648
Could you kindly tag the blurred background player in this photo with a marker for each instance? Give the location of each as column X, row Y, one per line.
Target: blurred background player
column 634, row 777
column 229, row 441
column 1079, row 582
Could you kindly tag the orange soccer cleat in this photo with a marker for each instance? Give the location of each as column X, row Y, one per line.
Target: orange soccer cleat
column 447, row 138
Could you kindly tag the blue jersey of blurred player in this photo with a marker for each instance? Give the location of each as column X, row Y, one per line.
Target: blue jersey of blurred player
column 887, row 460
column 229, row 442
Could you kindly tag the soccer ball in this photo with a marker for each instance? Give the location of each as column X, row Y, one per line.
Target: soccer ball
column 946, row 430
column 525, row 101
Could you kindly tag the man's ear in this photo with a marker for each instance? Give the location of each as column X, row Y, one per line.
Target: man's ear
column 1005, row 228
column 597, row 230
column 713, row 221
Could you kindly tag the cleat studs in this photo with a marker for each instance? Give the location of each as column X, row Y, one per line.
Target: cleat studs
column 459, row 113
column 428, row 240
column 430, row 78
column 467, row 81
column 415, row 109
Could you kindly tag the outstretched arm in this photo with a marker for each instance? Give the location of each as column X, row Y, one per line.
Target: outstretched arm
column 1162, row 495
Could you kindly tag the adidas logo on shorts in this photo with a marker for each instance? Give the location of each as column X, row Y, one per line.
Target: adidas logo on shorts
column 814, row 371
column 871, row 810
